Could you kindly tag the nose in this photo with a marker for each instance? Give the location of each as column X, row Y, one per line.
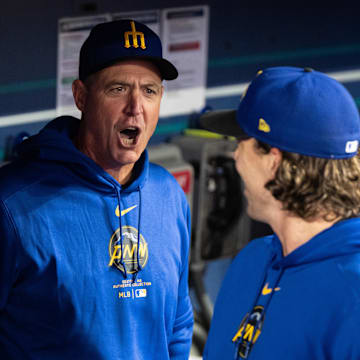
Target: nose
column 134, row 104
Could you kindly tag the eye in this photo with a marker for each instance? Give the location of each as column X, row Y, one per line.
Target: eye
column 150, row 91
column 118, row 89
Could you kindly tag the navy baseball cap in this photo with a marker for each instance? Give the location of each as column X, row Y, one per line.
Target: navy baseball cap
column 298, row 110
column 118, row 40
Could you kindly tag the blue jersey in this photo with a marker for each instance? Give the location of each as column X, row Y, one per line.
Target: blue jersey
column 305, row 305
column 90, row 269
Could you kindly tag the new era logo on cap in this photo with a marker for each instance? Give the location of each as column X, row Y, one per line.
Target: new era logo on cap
column 263, row 126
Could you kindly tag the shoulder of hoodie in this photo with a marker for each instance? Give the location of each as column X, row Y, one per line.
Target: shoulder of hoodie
column 16, row 176
column 247, row 266
column 257, row 251
column 348, row 269
column 159, row 176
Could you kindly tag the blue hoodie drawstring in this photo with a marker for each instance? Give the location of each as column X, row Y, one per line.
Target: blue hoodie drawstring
column 246, row 322
column 139, row 267
column 139, row 222
column 274, row 285
column 120, row 232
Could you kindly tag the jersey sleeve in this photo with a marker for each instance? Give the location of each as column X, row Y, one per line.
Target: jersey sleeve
column 345, row 344
column 7, row 254
column 183, row 327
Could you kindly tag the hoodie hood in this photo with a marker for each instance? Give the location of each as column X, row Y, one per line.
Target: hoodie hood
column 340, row 239
column 54, row 142
column 343, row 238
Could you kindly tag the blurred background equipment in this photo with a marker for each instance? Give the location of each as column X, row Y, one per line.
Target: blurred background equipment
column 220, row 224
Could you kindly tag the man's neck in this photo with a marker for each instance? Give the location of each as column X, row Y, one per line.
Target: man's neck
column 122, row 173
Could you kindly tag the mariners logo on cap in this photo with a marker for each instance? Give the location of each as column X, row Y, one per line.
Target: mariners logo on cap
column 134, row 34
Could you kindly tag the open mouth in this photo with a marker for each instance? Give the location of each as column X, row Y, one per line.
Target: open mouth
column 129, row 135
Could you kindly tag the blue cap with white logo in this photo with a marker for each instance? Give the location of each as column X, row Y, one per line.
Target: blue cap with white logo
column 119, row 40
column 298, row 110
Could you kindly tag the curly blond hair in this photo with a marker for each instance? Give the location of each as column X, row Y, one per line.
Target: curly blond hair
column 309, row 186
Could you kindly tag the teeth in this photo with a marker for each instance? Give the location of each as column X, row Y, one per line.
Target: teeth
column 128, row 141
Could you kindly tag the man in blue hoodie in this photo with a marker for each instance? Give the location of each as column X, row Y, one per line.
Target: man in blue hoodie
column 94, row 239
column 294, row 294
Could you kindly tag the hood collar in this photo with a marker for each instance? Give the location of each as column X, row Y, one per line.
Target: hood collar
column 343, row 238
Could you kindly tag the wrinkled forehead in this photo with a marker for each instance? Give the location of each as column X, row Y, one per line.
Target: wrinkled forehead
column 128, row 71
column 139, row 65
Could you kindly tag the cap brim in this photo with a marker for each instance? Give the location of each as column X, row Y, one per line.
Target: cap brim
column 167, row 70
column 222, row 122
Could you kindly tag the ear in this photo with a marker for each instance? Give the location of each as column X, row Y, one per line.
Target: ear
column 162, row 91
column 79, row 93
column 275, row 160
